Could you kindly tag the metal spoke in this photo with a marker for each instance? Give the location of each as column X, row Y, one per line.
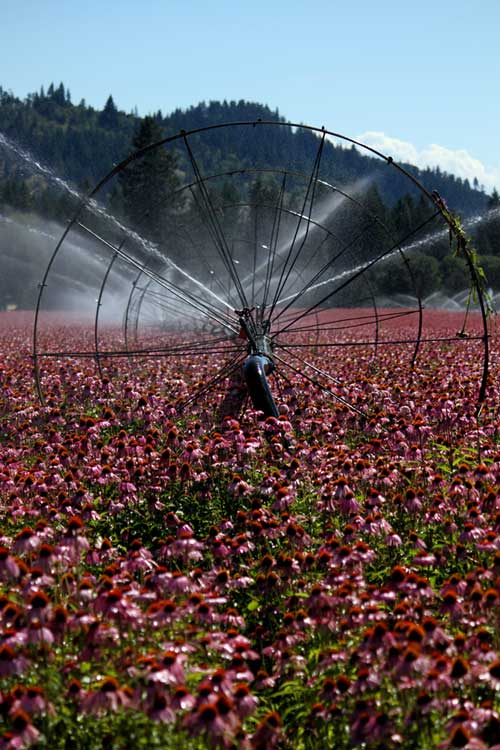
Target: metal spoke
column 315, row 369
column 356, row 273
column 315, row 382
column 167, row 305
column 311, row 191
column 215, row 228
column 275, row 233
column 207, row 309
column 313, row 283
column 148, row 352
column 361, row 323
column 362, row 319
column 226, row 371
column 430, row 340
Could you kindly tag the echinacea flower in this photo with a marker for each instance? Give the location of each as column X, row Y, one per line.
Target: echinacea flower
column 11, row 663
column 109, row 696
column 8, row 566
column 206, row 720
column 268, row 732
column 159, row 707
column 23, row 728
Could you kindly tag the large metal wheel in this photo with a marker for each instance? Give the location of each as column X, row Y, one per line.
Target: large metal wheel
column 261, row 271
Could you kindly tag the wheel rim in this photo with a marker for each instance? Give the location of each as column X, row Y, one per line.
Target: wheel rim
column 297, row 262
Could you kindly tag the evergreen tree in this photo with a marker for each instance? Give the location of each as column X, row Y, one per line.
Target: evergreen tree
column 109, row 118
column 148, row 182
column 59, row 95
column 494, row 199
column 403, row 216
column 374, row 238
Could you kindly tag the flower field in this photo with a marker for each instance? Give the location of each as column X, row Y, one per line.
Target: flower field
column 193, row 580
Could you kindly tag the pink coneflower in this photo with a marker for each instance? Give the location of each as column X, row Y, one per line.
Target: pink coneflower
column 491, row 673
column 206, row 720
column 264, row 680
column 159, row 708
column 490, row 599
column 33, row 701
column 179, row 583
column 38, row 633
column 470, row 533
column 240, row 645
column 185, row 546
column 461, row 737
column 39, row 607
column 74, row 543
column 368, row 725
column 367, row 679
column 23, row 729
column 140, row 560
column 393, row 540
column 268, row 732
column 246, row 703
column 162, row 612
column 108, row 697
column 46, row 559
column 75, row 690
column 116, row 604
column 408, row 662
column 226, row 708
column 169, row 670
column 424, row 560
column 10, row 662
column 451, row 604
column 26, row 541
column 221, row 682
column 8, row 566
column 459, row 668
column 59, row 621
column 204, row 613
column 412, row 501
column 182, row 699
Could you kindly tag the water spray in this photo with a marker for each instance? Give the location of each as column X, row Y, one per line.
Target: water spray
column 305, row 272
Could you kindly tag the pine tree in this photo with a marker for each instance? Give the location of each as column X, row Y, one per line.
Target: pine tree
column 60, row 95
column 109, row 118
column 494, row 200
column 148, row 182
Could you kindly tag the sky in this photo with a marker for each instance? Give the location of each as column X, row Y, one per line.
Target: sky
column 419, row 81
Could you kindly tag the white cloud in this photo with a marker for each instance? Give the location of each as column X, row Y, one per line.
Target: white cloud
column 459, row 162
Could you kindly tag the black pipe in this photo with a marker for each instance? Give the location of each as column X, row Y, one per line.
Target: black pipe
column 255, row 369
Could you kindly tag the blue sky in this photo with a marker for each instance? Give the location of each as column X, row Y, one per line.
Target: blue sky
column 419, row 80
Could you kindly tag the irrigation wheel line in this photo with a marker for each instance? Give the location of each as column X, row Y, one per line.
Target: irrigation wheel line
column 189, row 294
column 132, row 315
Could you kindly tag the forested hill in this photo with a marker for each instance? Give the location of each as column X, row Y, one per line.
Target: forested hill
column 49, row 145
column 82, row 144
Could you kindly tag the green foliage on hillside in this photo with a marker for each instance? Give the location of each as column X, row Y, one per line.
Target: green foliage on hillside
column 80, row 145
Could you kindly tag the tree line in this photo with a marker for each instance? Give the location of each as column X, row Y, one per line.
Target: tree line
column 81, row 144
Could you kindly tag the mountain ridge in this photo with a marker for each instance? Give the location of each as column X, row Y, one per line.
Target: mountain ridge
column 82, row 144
